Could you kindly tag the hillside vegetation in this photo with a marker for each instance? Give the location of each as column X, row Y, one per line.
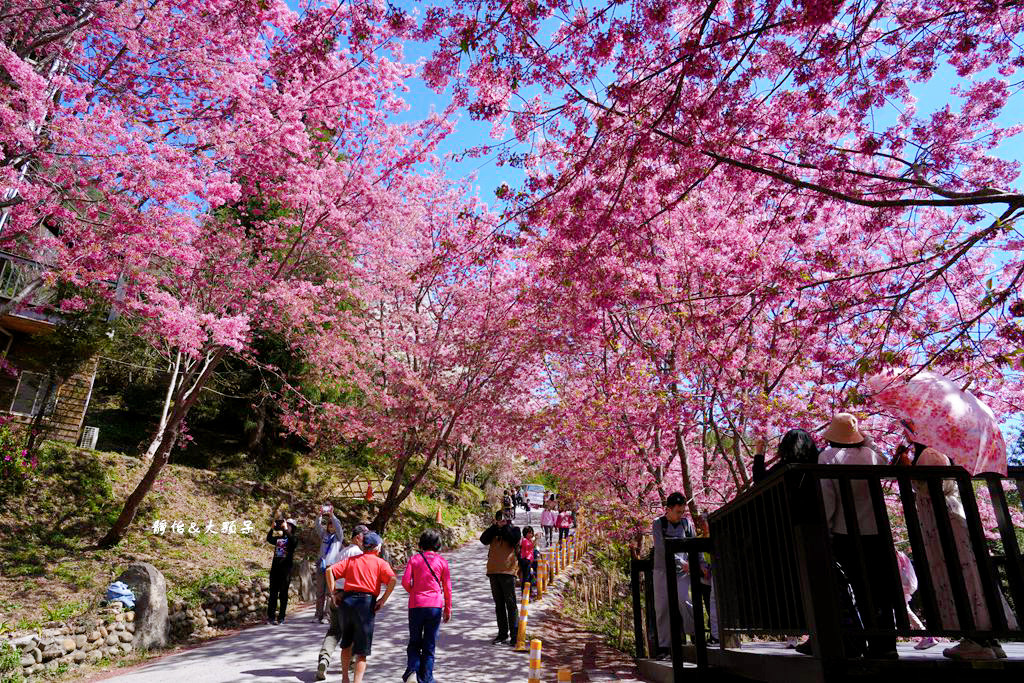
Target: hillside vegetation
column 51, row 570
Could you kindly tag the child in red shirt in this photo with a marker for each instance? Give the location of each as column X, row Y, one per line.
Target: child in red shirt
column 527, row 558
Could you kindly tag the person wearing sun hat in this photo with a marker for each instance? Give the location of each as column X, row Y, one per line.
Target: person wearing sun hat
column 847, row 445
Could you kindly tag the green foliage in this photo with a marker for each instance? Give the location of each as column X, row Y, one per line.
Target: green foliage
column 68, row 500
column 16, row 464
column 65, row 611
column 189, row 592
column 10, row 664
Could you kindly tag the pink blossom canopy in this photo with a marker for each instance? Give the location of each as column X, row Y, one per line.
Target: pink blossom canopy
column 947, row 418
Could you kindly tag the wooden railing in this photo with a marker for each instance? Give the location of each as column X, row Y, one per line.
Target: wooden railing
column 774, row 570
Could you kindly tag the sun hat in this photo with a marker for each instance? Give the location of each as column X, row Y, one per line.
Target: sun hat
column 371, row 540
column 843, row 430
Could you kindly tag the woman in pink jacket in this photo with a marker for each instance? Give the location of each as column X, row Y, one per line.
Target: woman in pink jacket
column 429, row 584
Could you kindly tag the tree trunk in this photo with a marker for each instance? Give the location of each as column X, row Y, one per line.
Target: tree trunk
column 171, row 386
column 396, row 497
column 166, row 438
column 684, row 467
column 131, row 505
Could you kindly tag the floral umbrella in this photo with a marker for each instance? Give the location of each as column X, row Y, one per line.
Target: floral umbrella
column 945, row 417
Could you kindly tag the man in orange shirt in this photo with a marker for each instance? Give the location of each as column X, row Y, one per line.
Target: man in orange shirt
column 358, row 603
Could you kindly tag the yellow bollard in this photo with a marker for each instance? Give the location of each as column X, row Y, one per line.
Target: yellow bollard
column 524, row 610
column 564, row 675
column 534, row 676
column 542, row 570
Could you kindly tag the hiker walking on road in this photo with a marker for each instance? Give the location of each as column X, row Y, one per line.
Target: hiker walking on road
column 548, row 518
column 502, row 538
column 328, row 528
column 364, row 575
column 282, row 536
column 428, row 582
column 333, row 636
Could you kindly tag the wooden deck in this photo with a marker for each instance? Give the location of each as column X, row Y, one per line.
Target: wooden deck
column 773, row 663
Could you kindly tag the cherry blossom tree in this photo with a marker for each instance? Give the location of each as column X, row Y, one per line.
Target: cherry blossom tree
column 737, row 210
column 437, row 348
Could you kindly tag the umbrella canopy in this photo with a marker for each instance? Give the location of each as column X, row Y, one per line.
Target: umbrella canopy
column 945, row 417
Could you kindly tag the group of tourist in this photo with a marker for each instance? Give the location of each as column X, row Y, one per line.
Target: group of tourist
column 353, row 583
column 863, row 563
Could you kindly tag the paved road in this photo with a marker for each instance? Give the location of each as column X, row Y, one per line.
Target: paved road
column 289, row 652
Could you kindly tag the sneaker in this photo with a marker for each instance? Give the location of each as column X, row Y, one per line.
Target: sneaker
column 407, row 674
column 996, row 648
column 321, row 671
column 925, row 643
column 272, row 622
column 499, row 639
column 968, row 650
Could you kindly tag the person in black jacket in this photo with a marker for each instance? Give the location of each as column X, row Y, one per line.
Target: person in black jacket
column 282, row 536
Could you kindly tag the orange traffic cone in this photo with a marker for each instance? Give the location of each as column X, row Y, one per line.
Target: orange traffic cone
column 438, row 517
column 369, row 492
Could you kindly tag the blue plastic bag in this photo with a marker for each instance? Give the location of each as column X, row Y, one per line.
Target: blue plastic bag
column 119, row 592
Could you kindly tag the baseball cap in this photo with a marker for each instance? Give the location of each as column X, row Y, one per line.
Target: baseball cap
column 291, row 521
column 675, row 498
column 361, row 529
column 371, row 540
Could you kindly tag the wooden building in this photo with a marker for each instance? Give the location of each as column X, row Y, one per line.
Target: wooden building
column 23, row 380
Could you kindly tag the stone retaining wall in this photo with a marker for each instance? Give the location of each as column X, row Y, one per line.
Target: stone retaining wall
column 106, row 633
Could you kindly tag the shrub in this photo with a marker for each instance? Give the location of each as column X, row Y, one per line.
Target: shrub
column 16, row 465
column 10, row 664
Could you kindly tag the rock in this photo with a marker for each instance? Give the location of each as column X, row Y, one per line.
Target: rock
column 51, row 665
column 126, row 648
column 103, row 631
column 130, row 628
column 129, row 617
column 38, row 668
column 27, row 660
column 69, row 645
column 79, row 656
column 119, row 618
column 24, row 642
column 94, row 636
column 150, row 604
column 112, row 639
column 125, row 637
column 51, row 650
column 80, row 640
column 119, row 627
column 37, row 654
column 219, row 609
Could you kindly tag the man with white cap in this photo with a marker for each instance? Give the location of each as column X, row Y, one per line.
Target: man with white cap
column 282, row 536
column 364, row 575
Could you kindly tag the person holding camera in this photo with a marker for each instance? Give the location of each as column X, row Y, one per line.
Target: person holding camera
column 328, row 528
column 502, row 538
column 284, row 539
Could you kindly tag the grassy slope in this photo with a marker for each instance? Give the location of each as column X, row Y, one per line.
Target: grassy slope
column 49, row 569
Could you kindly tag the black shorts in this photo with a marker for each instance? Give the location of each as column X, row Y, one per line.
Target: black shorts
column 357, row 616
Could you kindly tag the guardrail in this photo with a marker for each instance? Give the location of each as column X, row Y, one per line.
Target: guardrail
column 775, row 570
